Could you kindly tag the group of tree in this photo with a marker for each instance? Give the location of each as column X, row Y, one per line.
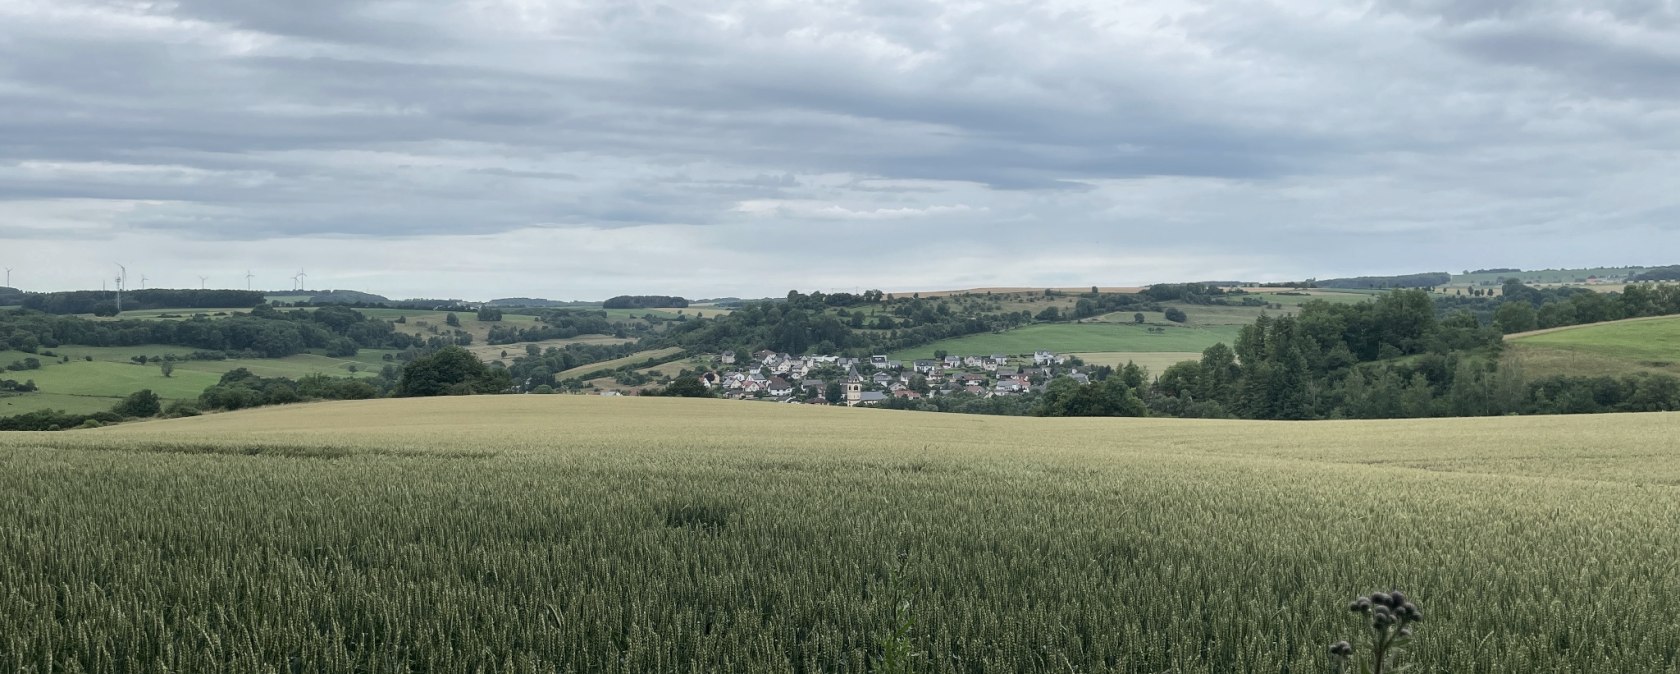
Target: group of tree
column 264, row 332
column 105, row 303
column 1390, row 358
column 1669, row 273
column 1425, row 280
column 1520, row 308
column 240, row 389
column 645, row 302
column 564, row 324
column 850, row 324
column 451, row 370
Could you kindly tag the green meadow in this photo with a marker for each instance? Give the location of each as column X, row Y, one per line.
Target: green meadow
column 1620, row 347
column 1091, row 337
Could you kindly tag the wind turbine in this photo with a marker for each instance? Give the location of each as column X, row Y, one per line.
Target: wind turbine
column 8, row 277
column 122, row 279
column 201, row 281
column 143, row 280
column 301, row 276
column 248, row 276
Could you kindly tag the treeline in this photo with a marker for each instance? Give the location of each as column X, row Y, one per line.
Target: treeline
column 1390, row 358
column 104, row 303
column 559, row 324
column 645, row 302
column 1669, row 273
column 1289, row 367
column 1520, row 308
column 240, row 389
column 803, row 324
column 1188, row 293
column 355, row 297
column 265, row 332
column 1426, row 280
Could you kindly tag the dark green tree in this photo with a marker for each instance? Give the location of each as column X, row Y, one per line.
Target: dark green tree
column 140, row 404
column 686, row 387
column 451, row 370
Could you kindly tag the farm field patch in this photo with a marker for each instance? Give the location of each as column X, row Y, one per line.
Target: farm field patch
column 89, row 386
column 578, row 533
column 632, row 359
column 1090, row 337
column 1620, row 347
column 489, row 352
column 1156, row 361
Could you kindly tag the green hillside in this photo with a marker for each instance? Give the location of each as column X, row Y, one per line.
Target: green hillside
column 1080, row 338
column 1620, row 347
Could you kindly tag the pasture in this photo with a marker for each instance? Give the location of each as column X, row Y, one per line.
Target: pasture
column 490, row 352
column 1090, row 337
column 1614, row 348
column 571, row 533
column 1155, row 361
column 82, row 386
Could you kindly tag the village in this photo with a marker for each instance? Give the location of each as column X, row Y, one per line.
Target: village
column 836, row 380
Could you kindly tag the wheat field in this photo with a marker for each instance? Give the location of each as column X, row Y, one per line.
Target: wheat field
column 565, row 533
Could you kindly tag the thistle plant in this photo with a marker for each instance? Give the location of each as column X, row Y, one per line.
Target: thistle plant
column 1390, row 616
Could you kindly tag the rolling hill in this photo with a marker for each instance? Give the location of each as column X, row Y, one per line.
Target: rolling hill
column 1614, row 348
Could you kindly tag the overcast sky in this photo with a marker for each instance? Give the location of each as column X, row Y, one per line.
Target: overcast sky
column 585, row 148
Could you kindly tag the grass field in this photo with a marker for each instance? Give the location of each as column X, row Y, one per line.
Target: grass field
column 571, row 533
column 168, row 314
column 1156, row 361
column 489, row 352
column 1620, row 347
column 1092, row 337
column 80, row 386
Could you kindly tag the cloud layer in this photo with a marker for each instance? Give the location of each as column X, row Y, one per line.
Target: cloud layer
column 576, row 148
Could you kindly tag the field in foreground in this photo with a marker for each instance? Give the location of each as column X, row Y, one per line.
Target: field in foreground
column 544, row 533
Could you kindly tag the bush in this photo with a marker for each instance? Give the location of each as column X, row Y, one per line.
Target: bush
column 181, row 408
column 141, row 404
column 1176, row 315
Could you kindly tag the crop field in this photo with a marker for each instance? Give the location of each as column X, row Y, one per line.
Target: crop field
column 1092, row 337
column 1619, row 347
column 632, row 359
column 573, row 533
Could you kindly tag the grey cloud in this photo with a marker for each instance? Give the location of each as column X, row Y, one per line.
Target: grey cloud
column 1614, row 69
column 1271, row 130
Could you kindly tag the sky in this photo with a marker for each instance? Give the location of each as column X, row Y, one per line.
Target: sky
column 578, row 149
